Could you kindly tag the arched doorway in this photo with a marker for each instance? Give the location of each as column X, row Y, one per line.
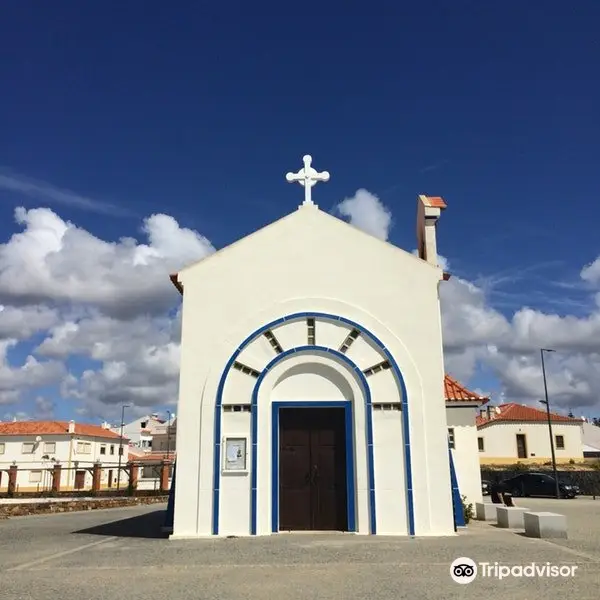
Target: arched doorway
column 313, row 477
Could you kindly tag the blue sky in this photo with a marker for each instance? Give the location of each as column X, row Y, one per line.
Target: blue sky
column 198, row 112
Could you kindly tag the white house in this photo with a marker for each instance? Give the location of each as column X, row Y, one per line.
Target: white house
column 311, row 389
column 462, row 408
column 141, row 431
column 591, row 440
column 512, row 433
column 164, row 438
column 35, row 447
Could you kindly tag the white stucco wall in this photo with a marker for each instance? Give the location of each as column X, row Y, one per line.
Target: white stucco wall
column 461, row 419
column 282, row 270
column 500, row 442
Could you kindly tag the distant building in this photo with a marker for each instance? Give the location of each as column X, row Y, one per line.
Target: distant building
column 141, row 431
column 35, row 447
column 591, row 440
column 512, row 433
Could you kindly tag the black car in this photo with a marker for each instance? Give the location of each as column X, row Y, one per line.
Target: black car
column 486, row 487
column 539, row 484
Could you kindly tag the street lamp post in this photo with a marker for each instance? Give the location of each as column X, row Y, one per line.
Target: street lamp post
column 547, row 403
column 121, row 445
column 169, row 435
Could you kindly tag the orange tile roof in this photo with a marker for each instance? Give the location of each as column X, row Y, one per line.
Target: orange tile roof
column 521, row 413
column 155, row 456
column 54, row 428
column 436, row 202
column 456, row 392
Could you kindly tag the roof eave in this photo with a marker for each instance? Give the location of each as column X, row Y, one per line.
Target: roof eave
column 174, row 277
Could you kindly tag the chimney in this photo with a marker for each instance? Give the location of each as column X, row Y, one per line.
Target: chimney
column 105, row 425
column 429, row 209
column 71, row 426
column 489, row 412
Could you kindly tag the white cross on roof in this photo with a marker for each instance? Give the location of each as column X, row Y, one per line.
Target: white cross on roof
column 307, row 178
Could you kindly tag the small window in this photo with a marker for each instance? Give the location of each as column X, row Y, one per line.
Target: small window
column 310, row 325
column 50, row 447
column 273, row 341
column 451, row 437
column 112, row 449
column 28, row 448
column 84, row 448
column 35, row 476
column 246, row 370
column 102, row 449
column 236, row 408
column 382, row 366
column 480, row 444
column 2, row 447
column 349, row 341
column 143, row 424
column 120, row 450
column 560, row 442
column 386, row 406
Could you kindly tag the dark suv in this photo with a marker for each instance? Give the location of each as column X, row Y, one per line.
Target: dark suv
column 540, row 484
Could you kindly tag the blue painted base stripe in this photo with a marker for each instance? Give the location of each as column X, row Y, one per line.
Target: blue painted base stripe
column 459, row 517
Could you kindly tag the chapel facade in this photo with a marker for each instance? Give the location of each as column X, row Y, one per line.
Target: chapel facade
column 312, row 385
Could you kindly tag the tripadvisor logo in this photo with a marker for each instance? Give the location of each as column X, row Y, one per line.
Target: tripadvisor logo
column 465, row 570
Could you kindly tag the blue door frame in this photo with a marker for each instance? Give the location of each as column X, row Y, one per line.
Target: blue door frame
column 350, row 476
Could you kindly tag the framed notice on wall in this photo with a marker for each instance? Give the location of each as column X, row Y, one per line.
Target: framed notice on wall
column 235, row 454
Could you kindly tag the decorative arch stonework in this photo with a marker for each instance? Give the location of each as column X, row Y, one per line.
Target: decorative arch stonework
column 347, row 329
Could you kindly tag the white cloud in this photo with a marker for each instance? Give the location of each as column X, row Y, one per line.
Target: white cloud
column 53, row 261
column 22, row 323
column 31, row 374
column 42, row 190
column 366, row 211
column 475, row 332
column 109, row 304
column 591, row 272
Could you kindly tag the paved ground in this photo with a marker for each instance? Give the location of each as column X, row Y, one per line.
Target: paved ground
column 119, row 553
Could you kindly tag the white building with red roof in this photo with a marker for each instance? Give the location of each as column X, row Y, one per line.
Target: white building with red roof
column 35, row 447
column 511, row 433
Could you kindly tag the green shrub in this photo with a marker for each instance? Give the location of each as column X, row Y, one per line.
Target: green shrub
column 468, row 511
column 520, row 467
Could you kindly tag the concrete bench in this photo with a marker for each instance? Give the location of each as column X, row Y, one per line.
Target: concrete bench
column 486, row 511
column 545, row 525
column 511, row 517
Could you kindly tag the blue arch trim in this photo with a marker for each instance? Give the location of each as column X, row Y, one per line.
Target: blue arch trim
column 395, row 369
column 369, row 428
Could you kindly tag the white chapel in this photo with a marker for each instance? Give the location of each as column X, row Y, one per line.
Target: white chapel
column 312, row 386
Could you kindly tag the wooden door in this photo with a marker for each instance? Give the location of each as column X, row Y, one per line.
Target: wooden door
column 79, row 480
column 312, row 469
column 521, row 446
column 110, row 477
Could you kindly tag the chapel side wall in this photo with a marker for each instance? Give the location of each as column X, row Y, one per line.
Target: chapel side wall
column 465, row 453
column 234, row 293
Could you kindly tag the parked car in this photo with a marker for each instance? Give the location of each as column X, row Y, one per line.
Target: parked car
column 540, row 484
column 486, row 487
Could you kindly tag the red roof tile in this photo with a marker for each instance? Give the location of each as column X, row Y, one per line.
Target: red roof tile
column 521, row 413
column 456, row 392
column 155, row 456
column 436, row 202
column 54, row 428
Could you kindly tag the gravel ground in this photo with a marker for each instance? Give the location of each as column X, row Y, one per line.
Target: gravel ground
column 120, row 553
